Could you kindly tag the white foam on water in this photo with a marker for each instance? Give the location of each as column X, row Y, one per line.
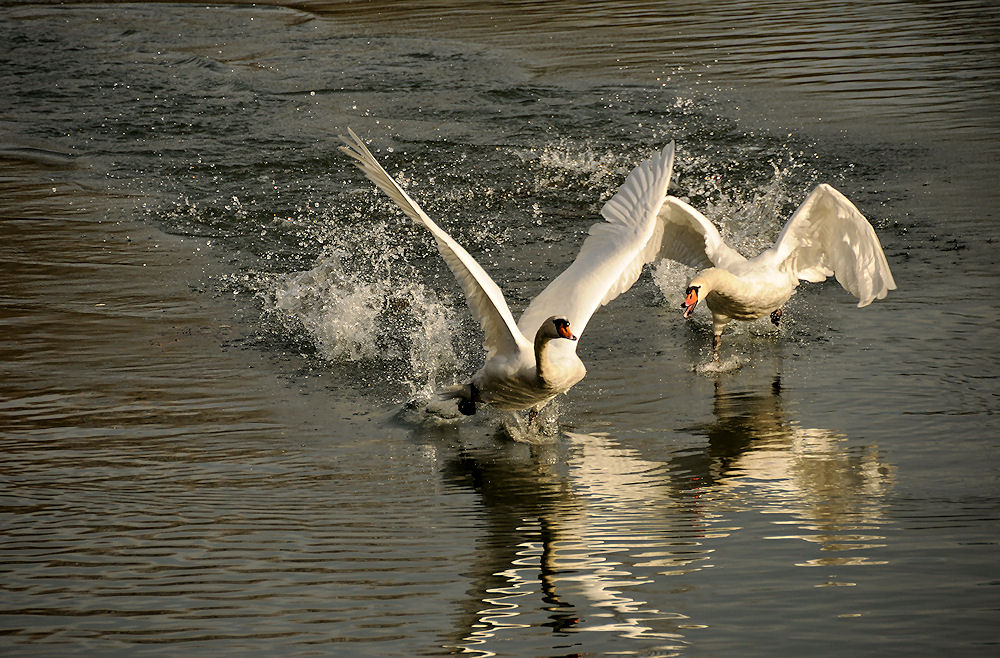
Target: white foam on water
column 371, row 308
column 720, row 366
column 339, row 312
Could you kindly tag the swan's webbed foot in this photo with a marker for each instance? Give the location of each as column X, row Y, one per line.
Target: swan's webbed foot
column 776, row 316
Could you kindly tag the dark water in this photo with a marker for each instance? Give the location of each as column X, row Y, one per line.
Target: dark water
column 210, row 325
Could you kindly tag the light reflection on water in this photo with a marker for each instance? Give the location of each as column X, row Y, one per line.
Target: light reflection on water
column 583, row 543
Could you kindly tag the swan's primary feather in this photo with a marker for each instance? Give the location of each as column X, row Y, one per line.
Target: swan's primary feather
column 484, row 297
column 827, row 236
column 613, row 253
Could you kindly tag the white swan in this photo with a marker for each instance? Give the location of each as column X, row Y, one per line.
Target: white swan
column 522, row 372
column 826, row 236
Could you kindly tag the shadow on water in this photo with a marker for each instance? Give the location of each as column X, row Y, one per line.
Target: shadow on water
column 580, row 533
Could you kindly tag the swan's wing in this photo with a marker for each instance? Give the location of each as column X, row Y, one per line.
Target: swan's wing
column 484, row 297
column 690, row 239
column 614, row 252
column 827, row 236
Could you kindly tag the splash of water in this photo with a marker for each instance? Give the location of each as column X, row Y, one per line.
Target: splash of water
column 364, row 304
column 721, row 366
column 339, row 312
column 569, row 165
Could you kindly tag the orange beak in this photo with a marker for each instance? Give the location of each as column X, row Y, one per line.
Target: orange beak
column 690, row 301
column 563, row 330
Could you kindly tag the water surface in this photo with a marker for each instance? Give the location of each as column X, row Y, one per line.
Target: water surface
column 210, row 326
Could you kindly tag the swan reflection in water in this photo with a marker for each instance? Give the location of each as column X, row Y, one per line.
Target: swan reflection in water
column 584, row 533
column 829, row 490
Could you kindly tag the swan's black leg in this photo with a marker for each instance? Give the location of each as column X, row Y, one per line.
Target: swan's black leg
column 716, row 343
column 468, row 405
column 776, row 316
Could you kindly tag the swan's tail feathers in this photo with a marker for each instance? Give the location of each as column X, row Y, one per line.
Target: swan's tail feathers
column 464, row 393
column 367, row 163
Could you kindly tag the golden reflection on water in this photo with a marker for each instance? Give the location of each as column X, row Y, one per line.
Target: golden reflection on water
column 818, row 483
column 587, row 540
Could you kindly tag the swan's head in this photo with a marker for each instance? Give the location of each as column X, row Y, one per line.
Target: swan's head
column 555, row 327
column 700, row 286
column 690, row 300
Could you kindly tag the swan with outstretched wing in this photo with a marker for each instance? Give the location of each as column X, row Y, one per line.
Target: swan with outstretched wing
column 827, row 236
column 531, row 361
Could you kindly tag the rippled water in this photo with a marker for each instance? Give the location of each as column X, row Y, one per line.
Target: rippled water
column 210, row 326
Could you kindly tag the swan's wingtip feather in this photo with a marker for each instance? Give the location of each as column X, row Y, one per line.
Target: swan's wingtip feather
column 353, row 136
column 351, row 139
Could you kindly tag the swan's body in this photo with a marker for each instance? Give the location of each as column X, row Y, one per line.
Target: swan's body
column 827, row 236
column 523, row 373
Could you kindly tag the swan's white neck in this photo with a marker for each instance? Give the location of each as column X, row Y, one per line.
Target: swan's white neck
column 541, row 360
